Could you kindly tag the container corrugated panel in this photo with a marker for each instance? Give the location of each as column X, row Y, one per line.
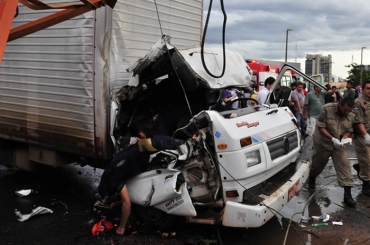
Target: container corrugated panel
column 47, row 84
column 135, row 28
column 55, row 84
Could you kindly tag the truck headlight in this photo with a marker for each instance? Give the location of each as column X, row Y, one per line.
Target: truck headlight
column 253, row 158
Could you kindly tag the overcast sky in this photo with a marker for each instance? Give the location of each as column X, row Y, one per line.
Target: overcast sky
column 257, row 29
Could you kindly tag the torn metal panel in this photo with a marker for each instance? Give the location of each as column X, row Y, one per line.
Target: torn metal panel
column 153, row 187
column 236, row 72
column 157, row 51
column 187, row 62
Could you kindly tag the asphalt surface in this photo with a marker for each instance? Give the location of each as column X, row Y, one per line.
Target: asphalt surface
column 69, row 192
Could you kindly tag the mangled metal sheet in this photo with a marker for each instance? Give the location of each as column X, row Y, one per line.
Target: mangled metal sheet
column 135, row 26
column 236, row 72
column 159, row 49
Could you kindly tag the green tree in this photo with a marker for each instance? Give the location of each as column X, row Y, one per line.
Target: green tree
column 354, row 74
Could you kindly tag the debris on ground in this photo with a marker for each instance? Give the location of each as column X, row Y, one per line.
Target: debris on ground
column 167, row 234
column 323, row 217
column 100, row 204
column 57, row 202
column 337, row 223
column 319, row 224
column 321, row 220
column 101, row 227
column 25, row 192
column 305, row 219
column 39, row 210
column 309, row 231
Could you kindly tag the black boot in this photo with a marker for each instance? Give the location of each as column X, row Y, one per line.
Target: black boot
column 366, row 188
column 312, row 182
column 348, row 197
column 356, row 166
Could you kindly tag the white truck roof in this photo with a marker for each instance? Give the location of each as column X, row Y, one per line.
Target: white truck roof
column 236, row 73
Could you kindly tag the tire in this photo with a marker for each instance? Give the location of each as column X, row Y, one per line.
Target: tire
column 156, row 218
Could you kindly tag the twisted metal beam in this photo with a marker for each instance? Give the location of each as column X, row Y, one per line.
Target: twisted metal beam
column 8, row 11
column 70, row 10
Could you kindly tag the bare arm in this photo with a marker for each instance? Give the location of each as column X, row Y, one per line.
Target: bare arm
column 361, row 128
column 298, row 106
column 305, row 112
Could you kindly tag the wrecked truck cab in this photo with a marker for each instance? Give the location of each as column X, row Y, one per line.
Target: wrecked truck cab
column 258, row 166
column 168, row 87
column 244, row 166
column 241, row 171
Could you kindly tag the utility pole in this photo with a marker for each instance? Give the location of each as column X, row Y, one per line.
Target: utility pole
column 286, row 44
column 362, row 50
column 295, row 60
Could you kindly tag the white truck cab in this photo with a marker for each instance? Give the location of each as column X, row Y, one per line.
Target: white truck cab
column 245, row 165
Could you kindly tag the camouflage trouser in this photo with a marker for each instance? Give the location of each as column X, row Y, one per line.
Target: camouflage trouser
column 363, row 156
column 320, row 157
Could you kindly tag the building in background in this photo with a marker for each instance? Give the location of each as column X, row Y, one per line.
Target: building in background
column 366, row 67
column 319, row 64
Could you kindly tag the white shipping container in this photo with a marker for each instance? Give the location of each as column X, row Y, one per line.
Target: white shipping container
column 55, row 84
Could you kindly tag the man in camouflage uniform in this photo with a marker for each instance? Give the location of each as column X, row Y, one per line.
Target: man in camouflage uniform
column 362, row 138
column 334, row 124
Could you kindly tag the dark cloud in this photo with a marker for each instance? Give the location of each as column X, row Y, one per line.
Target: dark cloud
column 258, row 28
column 315, row 24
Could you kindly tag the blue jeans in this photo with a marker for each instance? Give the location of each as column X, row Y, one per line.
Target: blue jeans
column 125, row 165
column 131, row 162
column 300, row 119
column 162, row 142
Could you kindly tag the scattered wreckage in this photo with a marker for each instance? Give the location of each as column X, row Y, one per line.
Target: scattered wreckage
column 239, row 166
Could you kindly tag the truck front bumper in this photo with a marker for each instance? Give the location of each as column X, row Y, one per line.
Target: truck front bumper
column 243, row 215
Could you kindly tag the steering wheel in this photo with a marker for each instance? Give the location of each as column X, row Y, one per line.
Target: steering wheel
column 244, row 101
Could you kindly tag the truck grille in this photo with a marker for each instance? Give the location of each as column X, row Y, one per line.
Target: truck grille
column 194, row 175
column 282, row 145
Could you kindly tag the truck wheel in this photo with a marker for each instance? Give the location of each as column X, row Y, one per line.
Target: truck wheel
column 156, row 218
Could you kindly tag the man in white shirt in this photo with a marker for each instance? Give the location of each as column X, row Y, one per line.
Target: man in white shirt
column 262, row 94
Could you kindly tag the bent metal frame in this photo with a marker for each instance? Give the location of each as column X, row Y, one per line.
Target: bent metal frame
column 9, row 11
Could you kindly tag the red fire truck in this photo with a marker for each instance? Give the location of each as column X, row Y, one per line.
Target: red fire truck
column 261, row 71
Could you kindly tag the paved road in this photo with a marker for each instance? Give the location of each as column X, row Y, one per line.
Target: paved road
column 69, row 192
column 329, row 199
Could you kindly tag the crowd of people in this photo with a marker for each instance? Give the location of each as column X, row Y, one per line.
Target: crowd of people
column 333, row 120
